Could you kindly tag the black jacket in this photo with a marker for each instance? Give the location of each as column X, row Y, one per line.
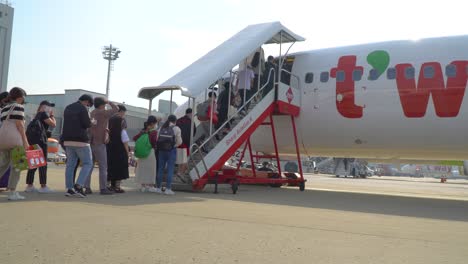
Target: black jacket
column 76, row 122
column 185, row 123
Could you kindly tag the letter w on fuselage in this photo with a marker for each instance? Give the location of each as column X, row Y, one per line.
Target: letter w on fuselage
column 447, row 98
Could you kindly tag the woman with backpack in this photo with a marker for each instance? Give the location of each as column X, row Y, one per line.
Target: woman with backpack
column 117, row 153
column 37, row 133
column 145, row 148
column 169, row 138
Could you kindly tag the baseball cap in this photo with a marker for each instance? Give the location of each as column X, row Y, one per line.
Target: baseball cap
column 48, row 103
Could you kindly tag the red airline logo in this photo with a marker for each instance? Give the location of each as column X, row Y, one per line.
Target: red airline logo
column 447, row 98
column 345, row 89
column 414, row 97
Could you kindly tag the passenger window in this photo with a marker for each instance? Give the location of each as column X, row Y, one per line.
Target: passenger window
column 324, row 76
column 391, row 73
column 357, row 75
column 428, row 72
column 451, row 70
column 373, row 75
column 309, row 78
column 409, row 73
column 340, row 76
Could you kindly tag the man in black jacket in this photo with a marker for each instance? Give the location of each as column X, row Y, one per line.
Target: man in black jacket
column 76, row 122
column 185, row 125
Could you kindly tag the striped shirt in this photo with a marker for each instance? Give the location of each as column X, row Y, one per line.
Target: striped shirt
column 16, row 114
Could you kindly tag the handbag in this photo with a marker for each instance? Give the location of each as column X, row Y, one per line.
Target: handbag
column 35, row 157
column 11, row 137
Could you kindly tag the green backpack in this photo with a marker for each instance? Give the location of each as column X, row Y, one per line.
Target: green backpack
column 143, row 146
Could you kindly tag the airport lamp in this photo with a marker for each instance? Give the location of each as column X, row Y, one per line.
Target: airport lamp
column 110, row 54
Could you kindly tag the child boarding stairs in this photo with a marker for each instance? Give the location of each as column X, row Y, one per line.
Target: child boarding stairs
column 200, row 163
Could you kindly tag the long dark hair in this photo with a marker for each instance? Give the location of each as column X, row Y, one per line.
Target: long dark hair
column 170, row 119
column 151, row 120
column 15, row 93
column 115, row 128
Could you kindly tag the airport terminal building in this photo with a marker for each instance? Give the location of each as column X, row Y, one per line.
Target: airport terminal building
column 6, row 27
column 135, row 116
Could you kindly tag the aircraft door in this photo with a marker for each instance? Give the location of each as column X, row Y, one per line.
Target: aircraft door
column 311, row 91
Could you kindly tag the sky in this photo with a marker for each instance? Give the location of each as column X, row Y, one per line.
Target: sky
column 57, row 44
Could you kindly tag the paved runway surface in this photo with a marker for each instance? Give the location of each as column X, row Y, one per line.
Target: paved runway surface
column 258, row 225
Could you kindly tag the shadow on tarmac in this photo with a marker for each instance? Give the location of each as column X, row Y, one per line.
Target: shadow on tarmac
column 354, row 202
column 440, row 209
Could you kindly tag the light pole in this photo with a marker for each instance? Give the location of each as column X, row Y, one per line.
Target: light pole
column 110, row 54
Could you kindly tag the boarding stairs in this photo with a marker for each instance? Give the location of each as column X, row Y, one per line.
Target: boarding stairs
column 283, row 99
column 207, row 167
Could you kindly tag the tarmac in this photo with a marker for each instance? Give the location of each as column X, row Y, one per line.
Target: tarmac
column 376, row 220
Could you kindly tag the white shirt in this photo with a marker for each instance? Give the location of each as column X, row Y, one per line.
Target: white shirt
column 124, row 136
column 177, row 134
column 244, row 78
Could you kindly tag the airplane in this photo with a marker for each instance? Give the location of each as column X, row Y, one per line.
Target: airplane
column 395, row 100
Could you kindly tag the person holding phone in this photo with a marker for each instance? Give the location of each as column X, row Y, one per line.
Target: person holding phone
column 99, row 138
column 38, row 133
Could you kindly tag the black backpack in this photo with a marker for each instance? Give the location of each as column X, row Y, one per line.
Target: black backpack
column 166, row 139
column 35, row 132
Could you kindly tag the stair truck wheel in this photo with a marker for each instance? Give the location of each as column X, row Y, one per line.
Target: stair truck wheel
column 301, row 186
column 235, row 186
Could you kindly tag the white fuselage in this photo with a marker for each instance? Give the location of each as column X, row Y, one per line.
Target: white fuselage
column 383, row 114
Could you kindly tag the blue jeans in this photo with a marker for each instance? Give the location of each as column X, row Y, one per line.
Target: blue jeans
column 85, row 156
column 169, row 158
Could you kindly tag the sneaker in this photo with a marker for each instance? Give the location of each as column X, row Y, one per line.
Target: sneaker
column 169, row 192
column 70, row 193
column 144, row 189
column 80, row 192
column 119, row 190
column 30, row 189
column 15, row 196
column 154, row 190
column 88, row 191
column 157, row 190
column 106, row 192
column 45, row 190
